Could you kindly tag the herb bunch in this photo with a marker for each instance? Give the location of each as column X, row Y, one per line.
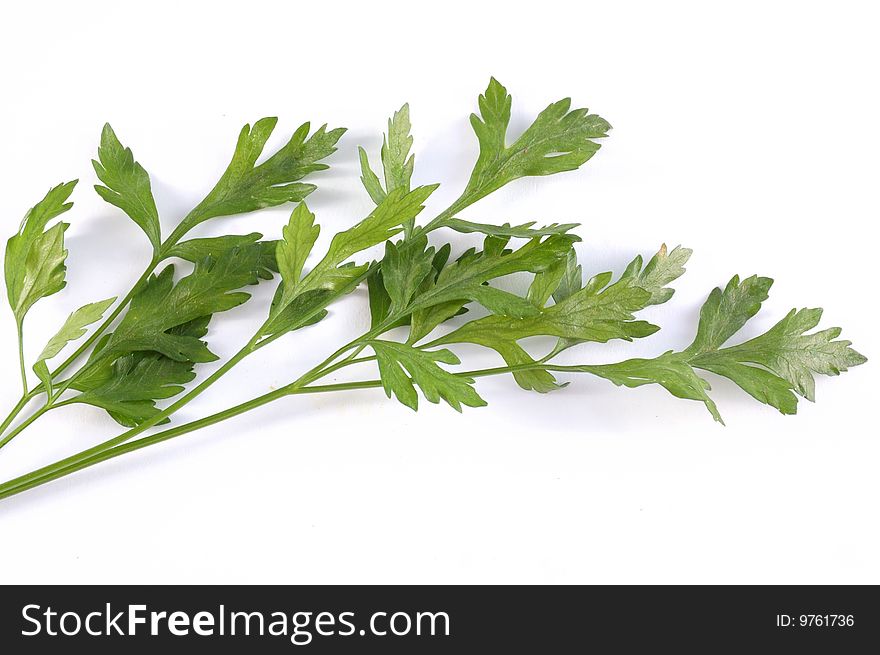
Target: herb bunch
column 137, row 363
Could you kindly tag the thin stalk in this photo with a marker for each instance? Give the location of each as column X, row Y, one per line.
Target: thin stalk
column 21, row 366
column 146, row 425
column 48, row 474
column 24, row 400
column 128, row 435
column 316, row 372
column 72, row 464
column 21, row 426
column 436, row 342
column 348, row 361
column 53, row 403
column 357, row 345
column 449, row 212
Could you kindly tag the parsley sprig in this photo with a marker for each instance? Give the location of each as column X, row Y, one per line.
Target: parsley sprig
column 146, row 350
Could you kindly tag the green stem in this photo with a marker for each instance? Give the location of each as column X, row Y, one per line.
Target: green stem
column 91, row 457
column 24, row 400
column 146, row 425
column 358, row 344
column 21, row 426
column 21, row 366
column 47, row 474
column 348, row 361
column 85, row 455
column 449, row 212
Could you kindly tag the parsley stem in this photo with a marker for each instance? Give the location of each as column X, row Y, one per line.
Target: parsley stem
column 25, row 398
column 102, row 453
column 133, row 432
column 24, row 382
column 21, row 426
column 348, row 361
column 449, row 212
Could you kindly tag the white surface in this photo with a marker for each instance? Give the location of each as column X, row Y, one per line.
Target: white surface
column 749, row 134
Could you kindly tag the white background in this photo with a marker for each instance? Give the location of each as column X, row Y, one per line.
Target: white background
column 748, row 133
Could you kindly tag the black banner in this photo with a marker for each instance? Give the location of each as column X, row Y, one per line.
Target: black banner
column 444, row 619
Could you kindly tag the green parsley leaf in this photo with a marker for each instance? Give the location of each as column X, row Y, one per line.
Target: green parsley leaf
column 309, row 307
column 505, row 345
column 301, row 301
column 772, row 367
column 524, row 231
column 34, row 265
column 74, row 327
column 572, row 279
column 129, row 387
column 298, row 239
column 137, row 381
column 383, row 222
column 397, row 359
column 380, row 301
column 670, row 370
column 725, row 312
column 396, row 160
column 410, row 254
column 596, row 313
column 404, row 269
column 127, row 185
column 786, row 351
column 246, row 186
column 398, row 208
column 369, row 179
column 196, row 250
column 465, row 280
column 559, row 140
column 163, row 305
column 762, row 385
column 546, row 282
column 663, row 268
column 397, row 163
